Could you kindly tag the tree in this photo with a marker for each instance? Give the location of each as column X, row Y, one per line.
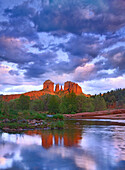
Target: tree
column 23, row 102
column 37, row 105
column 53, row 105
column 45, row 99
column 1, row 104
column 13, row 106
column 100, row 103
column 90, row 105
column 4, row 108
column 81, row 103
column 68, row 103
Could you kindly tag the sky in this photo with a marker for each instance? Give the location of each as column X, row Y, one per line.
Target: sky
column 62, row 40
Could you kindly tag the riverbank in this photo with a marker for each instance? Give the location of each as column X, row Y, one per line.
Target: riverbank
column 39, row 121
column 42, row 121
column 116, row 114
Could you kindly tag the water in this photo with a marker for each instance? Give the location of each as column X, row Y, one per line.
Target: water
column 84, row 145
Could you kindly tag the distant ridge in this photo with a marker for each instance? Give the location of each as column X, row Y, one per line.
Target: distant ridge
column 48, row 88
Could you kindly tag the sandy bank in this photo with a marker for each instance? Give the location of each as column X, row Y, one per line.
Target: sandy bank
column 107, row 114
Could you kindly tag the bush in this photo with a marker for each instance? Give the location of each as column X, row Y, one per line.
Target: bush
column 58, row 116
column 52, row 126
column 60, row 124
column 39, row 116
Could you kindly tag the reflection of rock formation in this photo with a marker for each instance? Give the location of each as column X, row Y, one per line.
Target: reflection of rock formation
column 15, row 150
column 49, row 139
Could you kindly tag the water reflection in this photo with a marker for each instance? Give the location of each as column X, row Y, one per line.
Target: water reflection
column 88, row 147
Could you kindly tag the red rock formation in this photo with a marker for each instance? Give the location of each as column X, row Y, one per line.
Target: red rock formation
column 48, row 88
column 72, row 87
column 48, row 85
column 61, row 88
column 57, row 88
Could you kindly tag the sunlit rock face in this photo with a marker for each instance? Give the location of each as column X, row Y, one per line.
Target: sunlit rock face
column 72, row 87
column 61, row 88
column 49, row 85
column 48, row 88
column 57, row 88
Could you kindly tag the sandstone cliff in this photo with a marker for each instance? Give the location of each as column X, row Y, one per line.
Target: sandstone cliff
column 57, row 88
column 49, row 85
column 72, row 87
column 48, row 88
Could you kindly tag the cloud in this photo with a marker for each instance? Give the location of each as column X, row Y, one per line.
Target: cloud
column 13, row 50
column 116, row 60
column 84, row 73
column 103, row 85
column 63, row 38
column 75, row 17
column 6, row 78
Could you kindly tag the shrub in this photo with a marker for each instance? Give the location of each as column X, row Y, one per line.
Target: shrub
column 58, row 116
column 39, row 116
column 60, row 124
column 73, row 112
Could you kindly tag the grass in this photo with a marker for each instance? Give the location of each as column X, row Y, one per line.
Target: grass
column 57, row 125
column 23, row 120
column 58, row 116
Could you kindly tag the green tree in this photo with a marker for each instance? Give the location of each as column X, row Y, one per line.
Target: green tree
column 23, row 102
column 53, row 105
column 37, row 105
column 1, row 104
column 100, row 103
column 45, row 99
column 89, row 105
column 5, row 108
column 81, row 103
column 68, row 103
column 13, row 106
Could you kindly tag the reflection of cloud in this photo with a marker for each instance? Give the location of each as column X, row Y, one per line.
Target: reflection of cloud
column 9, row 153
column 22, row 139
column 119, row 142
column 2, row 161
column 21, row 147
column 85, row 162
column 82, row 160
column 99, row 149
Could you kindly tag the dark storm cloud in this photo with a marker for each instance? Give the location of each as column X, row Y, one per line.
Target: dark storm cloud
column 81, row 16
column 41, row 64
column 13, row 72
column 116, row 59
column 86, row 45
column 18, row 27
column 11, row 51
column 73, row 16
column 22, row 10
column 94, row 25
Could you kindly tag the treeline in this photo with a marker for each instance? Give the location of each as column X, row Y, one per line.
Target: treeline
column 69, row 103
column 115, row 98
